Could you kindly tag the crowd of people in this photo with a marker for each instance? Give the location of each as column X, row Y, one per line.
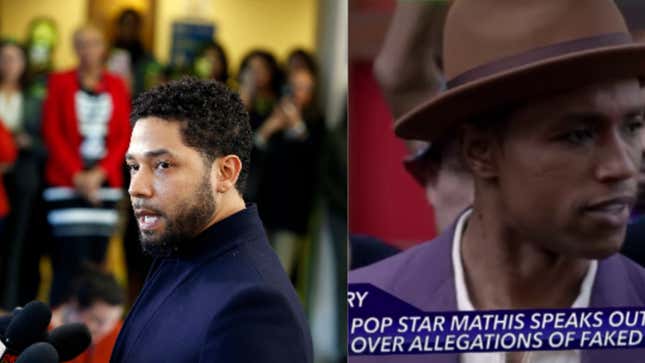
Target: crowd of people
column 62, row 153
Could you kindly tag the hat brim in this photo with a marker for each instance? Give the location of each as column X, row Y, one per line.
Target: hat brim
column 435, row 117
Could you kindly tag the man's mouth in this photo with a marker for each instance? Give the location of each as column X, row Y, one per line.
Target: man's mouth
column 147, row 219
column 613, row 212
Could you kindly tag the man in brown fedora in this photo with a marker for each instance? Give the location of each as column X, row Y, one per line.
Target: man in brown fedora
column 544, row 103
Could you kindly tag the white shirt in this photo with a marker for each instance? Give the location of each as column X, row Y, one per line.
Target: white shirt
column 465, row 304
column 11, row 111
column 93, row 113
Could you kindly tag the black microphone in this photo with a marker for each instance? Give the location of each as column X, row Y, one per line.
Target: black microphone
column 70, row 340
column 27, row 327
column 41, row 352
column 4, row 323
column 6, row 319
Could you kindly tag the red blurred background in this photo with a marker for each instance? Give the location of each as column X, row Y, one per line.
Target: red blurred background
column 384, row 201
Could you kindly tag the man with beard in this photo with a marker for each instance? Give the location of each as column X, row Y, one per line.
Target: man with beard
column 215, row 291
column 544, row 106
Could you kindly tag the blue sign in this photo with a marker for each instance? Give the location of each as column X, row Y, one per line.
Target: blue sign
column 187, row 39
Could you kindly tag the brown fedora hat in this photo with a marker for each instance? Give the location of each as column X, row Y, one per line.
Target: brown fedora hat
column 500, row 52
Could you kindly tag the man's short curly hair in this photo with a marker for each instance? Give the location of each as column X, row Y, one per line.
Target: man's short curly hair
column 213, row 118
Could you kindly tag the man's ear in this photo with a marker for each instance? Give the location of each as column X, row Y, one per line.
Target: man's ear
column 479, row 150
column 226, row 169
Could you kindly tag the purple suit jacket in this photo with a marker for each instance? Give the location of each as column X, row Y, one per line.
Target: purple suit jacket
column 423, row 276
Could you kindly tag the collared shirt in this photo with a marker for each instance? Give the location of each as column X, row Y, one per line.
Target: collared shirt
column 465, row 304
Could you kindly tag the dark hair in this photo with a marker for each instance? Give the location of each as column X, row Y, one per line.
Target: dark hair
column 307, row 58
column 129, row 12
column 444, row 154
column 277, row 76
column 495, row 122
column 93, row 285
column 23, row 81
column 492, row 122
column 221, row 54
column 213, row 118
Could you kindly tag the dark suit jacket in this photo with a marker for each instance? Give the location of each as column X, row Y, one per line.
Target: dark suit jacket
column 423, row 276
column 289, row 175
column 224, row 298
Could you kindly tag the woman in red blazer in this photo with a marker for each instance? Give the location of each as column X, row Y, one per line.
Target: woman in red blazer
column 7, row 156
column 86, row 129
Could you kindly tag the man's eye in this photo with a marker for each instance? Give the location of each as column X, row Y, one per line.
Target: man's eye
column 132, row 168
column 635, row 124
column 578, row 136
column 163, row 165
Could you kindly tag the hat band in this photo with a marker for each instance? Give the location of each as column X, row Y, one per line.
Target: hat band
column 538, row 54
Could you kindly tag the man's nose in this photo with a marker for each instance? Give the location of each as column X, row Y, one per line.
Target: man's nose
column 619, row 159
column 140, row 185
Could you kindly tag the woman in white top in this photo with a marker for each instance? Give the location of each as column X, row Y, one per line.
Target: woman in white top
column 20, row 113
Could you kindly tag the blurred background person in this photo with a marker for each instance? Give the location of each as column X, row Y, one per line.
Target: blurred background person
column 96, row 300
column 408, row 70
column 129, row 58
column 299, row 59
column 447, row 183
column 8, row 154
column 20, row 112
column 402, row 219
column 260, row 84
column 7, row 157
column 42, row 38
column 86, row 128
column 634, row 247
column 288, row 145
column 212, row 63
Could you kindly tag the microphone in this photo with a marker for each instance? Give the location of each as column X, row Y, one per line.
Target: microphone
column 5, row 320
column 70, row 340
column 4, row 323
column 28, row 326
column 41, row 352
